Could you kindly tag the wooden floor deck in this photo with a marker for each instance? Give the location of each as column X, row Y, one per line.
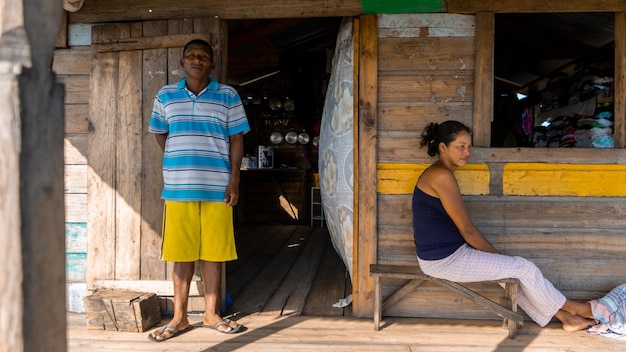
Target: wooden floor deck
column 283, row 286
column 286, row 270
column 308, row 333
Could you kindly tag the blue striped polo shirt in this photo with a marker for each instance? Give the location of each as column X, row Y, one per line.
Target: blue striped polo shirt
column 196, row 163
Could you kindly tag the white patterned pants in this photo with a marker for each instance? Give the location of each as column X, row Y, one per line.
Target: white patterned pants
column 537, row 296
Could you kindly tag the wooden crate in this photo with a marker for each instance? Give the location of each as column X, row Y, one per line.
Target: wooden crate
column 122, row 310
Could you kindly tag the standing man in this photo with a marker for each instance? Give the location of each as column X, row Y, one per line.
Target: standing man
column 199, row 124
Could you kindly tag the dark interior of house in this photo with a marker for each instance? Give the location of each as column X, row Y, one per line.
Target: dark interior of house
column 281, row 70
column 544, row 65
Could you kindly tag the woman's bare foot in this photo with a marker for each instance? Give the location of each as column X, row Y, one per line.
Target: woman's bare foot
column 582, row 309
column 573, row 322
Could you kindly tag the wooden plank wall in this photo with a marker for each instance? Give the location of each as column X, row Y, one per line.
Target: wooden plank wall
column 124, row 178
column 574, row 231
column 124, row 175
column 72, row 67
column 120, row 171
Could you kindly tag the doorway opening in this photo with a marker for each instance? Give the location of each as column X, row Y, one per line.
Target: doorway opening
column 281, row 69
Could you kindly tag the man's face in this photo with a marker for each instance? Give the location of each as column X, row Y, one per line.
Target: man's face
column 197, row 62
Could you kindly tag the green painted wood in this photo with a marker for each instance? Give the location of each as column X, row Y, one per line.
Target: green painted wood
column 75, row 267
column 75, row 251
column 76, row 237
column 402, row 6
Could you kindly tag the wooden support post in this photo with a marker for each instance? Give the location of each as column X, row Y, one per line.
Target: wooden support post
column 378, row 306
column 365, row 189
column 41, row 178
column 483, row 86
column 11, row 301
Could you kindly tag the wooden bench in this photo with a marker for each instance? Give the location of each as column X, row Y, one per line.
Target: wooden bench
column 507, row 308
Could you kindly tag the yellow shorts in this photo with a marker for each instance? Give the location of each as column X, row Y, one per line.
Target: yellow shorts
column 198, row 231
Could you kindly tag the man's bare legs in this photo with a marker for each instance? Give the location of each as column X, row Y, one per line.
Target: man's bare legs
column 212, row 278
column 575, row 315
column 182, row 275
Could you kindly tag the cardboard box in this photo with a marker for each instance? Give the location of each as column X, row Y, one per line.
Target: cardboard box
column 122, row 310
column 265, row 157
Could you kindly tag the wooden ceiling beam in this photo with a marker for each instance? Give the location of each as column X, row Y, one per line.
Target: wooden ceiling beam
column 255, row 33
column 98, row 11
column 534, row 6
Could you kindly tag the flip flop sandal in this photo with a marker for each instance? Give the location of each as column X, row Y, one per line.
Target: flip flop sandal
column 172, row 330
column 225, row 322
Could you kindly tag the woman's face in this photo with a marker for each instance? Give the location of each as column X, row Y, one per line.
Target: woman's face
column 458, row 151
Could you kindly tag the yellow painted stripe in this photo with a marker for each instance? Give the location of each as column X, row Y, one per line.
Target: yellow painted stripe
column 583, row 180
column 401, row 178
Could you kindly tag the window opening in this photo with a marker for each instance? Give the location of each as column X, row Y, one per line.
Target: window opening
column 553, row 80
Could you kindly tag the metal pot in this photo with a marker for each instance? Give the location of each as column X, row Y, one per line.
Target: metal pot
column 291, row 137
column 289, row 104
column 276, row 138
column 275, row 104
column 303, row 138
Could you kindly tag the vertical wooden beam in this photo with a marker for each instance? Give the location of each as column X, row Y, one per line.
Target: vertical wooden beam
column 12, row 273
column 62, row 37
column 11, row 298
column 154, row 65
column 101, row 178
column 41, row 181
column 217, row 30
column 128, row 160
column 483, row 79
column 174, row 54
column 363, row 304
column 356, row 40
column 619, row 132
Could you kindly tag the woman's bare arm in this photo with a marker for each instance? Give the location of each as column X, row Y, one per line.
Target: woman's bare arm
column 445, row 185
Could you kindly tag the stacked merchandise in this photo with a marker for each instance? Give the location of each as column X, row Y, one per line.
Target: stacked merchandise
column 597, row 130
column 581, row 116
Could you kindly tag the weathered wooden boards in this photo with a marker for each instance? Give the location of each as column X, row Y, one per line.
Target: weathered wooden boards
column 426, row 74
column 121, row 10
column 37, row 320
column 11, row 301
column 346, row 334
column 530, row 6
column 122, row 310
column 506, row 307
column 10, row 248
column 124, row 177
column 562, row 209
column 366, row 153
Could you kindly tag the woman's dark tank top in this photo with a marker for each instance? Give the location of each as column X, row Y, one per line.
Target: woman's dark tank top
column 435, row 234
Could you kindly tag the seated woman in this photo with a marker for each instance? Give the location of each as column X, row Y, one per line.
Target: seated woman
column 450, row 247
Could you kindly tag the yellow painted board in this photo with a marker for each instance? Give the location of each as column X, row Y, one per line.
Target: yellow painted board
column 582, row 180
column 401, row 178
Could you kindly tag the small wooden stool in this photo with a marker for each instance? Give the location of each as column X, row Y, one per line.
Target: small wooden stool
column 507, row 308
